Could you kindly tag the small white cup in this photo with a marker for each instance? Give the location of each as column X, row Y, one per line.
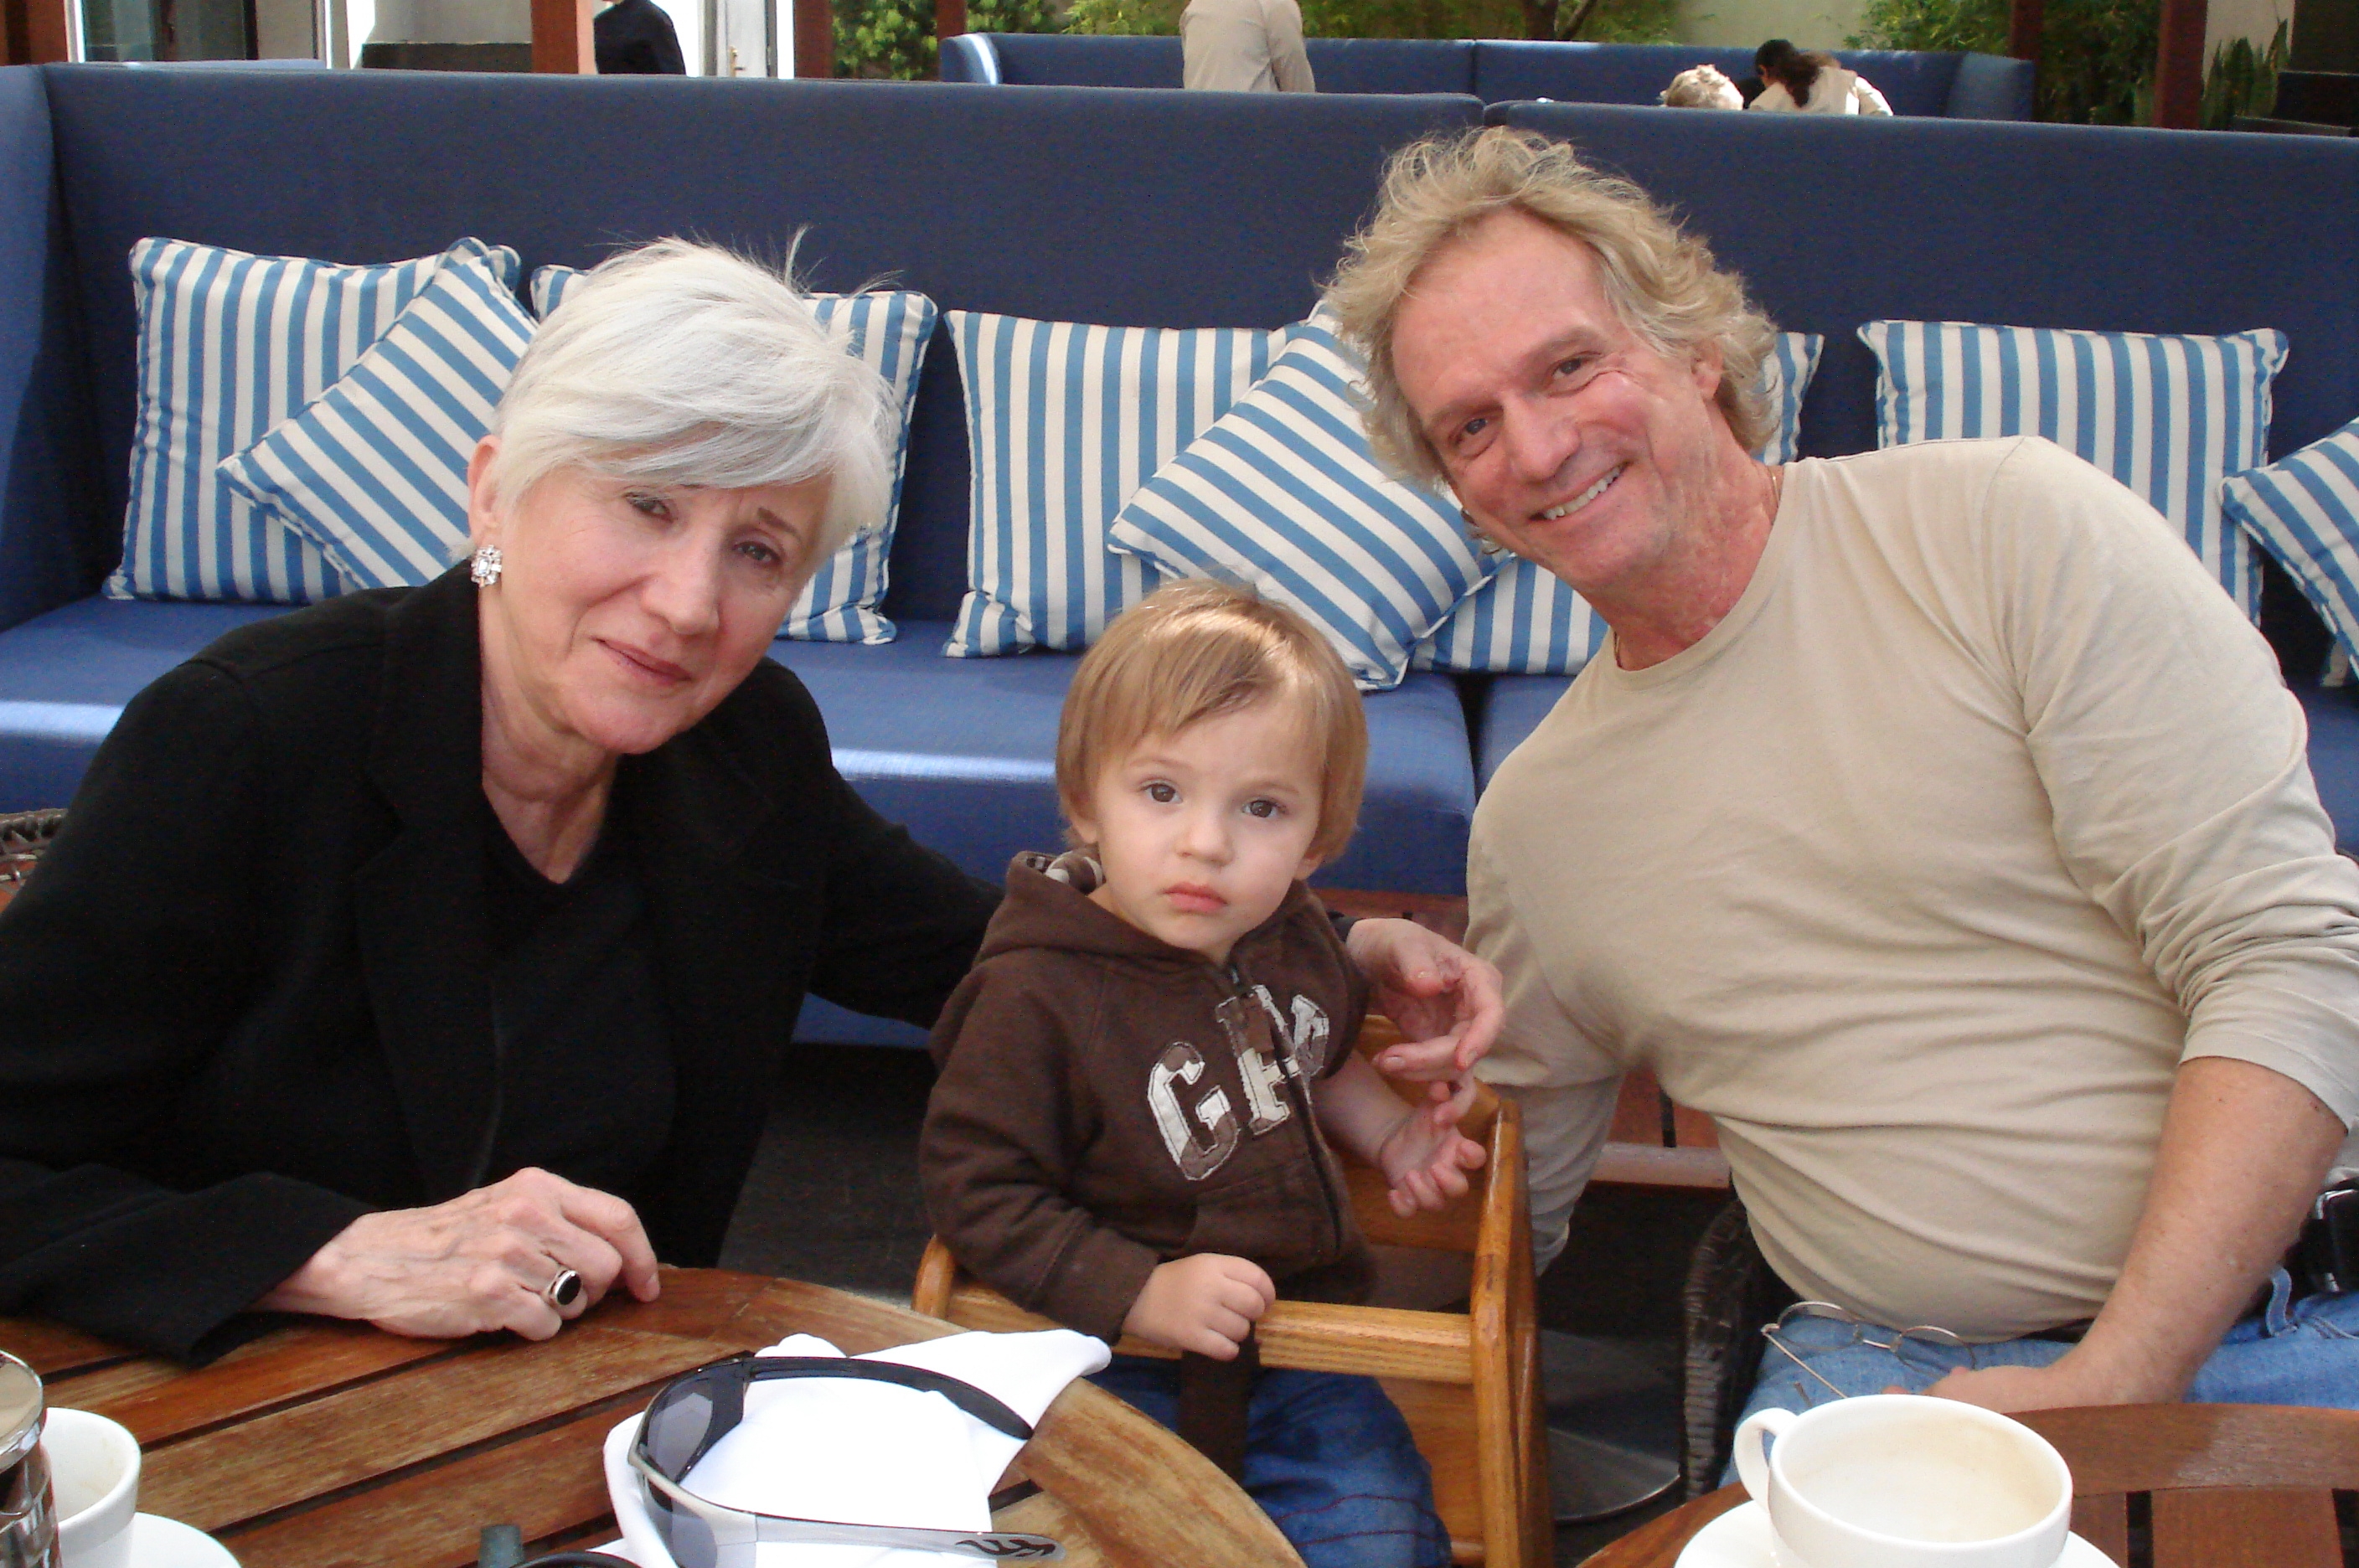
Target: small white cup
column 94, row 1481
column 1905, row 1481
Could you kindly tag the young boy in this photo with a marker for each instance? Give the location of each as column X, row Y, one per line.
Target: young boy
column 1126, row 1132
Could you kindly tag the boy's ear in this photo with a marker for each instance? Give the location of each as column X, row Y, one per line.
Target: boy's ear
column 1310, row 862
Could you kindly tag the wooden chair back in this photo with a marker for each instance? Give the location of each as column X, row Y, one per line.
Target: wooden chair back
column 1469, row 1383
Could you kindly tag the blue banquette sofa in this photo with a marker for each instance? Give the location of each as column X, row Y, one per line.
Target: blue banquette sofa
column 1945, row 82
column 1158, row 208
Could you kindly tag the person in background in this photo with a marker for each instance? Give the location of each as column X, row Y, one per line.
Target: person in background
column 1701, row 87
column 1810, row 82
column 1241, row 45
column 635, row 37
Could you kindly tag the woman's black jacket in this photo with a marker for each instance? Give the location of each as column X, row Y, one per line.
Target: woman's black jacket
column 246, row 996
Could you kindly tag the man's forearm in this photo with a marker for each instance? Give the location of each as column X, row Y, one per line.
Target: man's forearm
column 2243, row 1153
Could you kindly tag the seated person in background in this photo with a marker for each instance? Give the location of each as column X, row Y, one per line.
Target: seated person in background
column 1701, row 87
column 1126, row 1133
column 1812, row 82
column 635, row 37
column 1244, row 46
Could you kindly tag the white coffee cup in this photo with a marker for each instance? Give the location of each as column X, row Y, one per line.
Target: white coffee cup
column 94, row 1483
column 1905, row 1481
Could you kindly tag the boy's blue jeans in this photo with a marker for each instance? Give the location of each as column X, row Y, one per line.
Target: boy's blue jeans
column 2288, row 1353
column 1327, row 1456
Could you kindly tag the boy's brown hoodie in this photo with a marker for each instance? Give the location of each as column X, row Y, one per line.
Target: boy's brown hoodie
column 1108, row 1102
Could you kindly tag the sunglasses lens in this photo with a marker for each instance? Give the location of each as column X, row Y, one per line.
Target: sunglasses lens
column 675, row 1428
column 686, row 1537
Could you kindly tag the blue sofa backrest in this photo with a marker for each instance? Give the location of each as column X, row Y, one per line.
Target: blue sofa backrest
column 1970, row 86
column 1392, row 65
column 1071, row 203
column 1835, row 223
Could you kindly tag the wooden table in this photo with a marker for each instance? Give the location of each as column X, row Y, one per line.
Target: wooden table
column 331, row 1443
column 2155, row 1486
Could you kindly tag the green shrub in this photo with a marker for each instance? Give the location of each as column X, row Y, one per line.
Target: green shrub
column 2096, row 56
column 2241, row 80
column 894, row 38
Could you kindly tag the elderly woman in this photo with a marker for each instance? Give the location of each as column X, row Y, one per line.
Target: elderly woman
column 422, row 957
column 1929, row 818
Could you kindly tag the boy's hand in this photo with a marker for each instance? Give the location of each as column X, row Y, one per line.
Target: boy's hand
column 1206, row 1303
column 1425, row 1157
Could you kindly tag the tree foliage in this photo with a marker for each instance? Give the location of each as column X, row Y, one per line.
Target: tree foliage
column 2096, row 56
column 894, row 38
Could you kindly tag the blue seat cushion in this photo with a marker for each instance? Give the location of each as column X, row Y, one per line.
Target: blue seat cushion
column 65, row 676
column 2334, row 756
column 1509, row 709
column 963, row 751
column 959, row 750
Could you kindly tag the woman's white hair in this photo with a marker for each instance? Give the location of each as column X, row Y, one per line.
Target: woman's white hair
column 683, row 364
column 1662, row 283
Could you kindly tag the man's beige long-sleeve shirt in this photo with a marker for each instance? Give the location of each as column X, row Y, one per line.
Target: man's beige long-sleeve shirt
column 1921, row 872
column 1244, row 46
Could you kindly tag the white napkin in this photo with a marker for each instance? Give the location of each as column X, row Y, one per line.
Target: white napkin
column 862, row 1452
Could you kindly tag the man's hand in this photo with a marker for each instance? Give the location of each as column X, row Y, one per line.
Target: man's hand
column 1206, row 1303
column 1443, row 997
column 477, row 1263
column 2062, row 1385
column 1425, row 1157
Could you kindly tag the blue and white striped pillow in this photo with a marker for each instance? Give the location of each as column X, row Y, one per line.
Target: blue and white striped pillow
column 2305, row 508
column 229, row 345
column 1528, row 621
column 1065, row 421
column 375, row 472
column 2170, row 416
column 1282, row 493
column 887, row 329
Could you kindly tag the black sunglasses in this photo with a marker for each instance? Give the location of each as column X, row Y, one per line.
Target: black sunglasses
column 696, row 1410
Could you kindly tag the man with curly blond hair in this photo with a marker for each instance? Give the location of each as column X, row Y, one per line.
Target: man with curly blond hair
column 1929, row 818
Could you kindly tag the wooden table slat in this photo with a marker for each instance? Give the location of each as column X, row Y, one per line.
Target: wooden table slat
column 2104, row 1521
column 54, row 1351
column 2203, row 1445
column 324, row 1445
column 430, row 1519
column 159, row 1400
column 2245, row 1526
column 240, row 1473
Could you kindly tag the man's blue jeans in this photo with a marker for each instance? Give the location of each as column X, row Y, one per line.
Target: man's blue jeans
column 1328, row 1457
column 2289, row 1353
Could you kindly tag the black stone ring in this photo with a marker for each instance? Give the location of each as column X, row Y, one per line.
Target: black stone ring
column 563, row 1290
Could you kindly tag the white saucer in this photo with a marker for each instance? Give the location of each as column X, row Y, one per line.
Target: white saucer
column 1741, row 1539
column 158, row 1543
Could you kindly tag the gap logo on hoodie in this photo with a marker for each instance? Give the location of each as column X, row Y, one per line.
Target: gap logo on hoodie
column 1201, row 1134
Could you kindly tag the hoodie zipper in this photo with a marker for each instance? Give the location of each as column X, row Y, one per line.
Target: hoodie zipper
column 1298, row 1097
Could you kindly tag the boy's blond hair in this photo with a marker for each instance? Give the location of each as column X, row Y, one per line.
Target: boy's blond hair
column 1197, row 651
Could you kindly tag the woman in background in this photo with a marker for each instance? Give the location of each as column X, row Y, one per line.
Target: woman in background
column 1811, row 82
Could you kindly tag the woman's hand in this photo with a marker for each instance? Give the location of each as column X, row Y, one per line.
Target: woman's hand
column 1446, row 1000
column 477, row 1263
column 1206, row 1303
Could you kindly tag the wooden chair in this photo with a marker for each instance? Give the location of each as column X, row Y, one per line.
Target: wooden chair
column 1468, row 1383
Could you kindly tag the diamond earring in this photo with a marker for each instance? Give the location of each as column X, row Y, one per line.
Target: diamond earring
column 484, row 567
